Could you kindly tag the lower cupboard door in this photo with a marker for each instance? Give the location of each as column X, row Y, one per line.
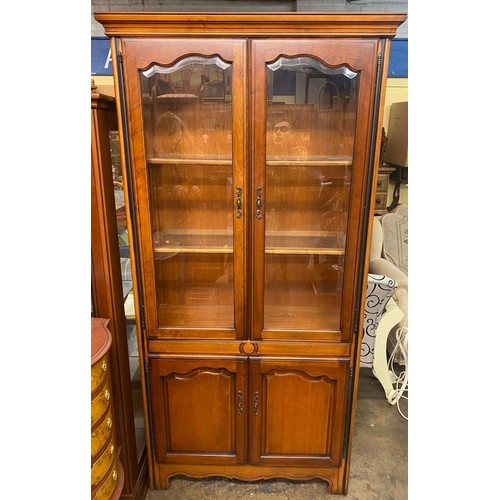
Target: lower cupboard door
column 298, row 412
column 198, row 410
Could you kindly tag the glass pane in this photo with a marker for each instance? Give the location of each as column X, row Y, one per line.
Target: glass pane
column 133, row 352
column 188, row 132
column 311, row 116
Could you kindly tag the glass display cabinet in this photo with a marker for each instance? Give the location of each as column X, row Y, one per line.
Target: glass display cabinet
column 111, row 283
column 251, row 146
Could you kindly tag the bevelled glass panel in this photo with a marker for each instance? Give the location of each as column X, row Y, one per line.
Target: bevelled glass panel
column 311, row 117
column 188, row 139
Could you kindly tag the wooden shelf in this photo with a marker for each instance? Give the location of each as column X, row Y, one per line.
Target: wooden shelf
column 194, row 249
column 202, row 160
column 196, row 316
column 301, row 318
column 304, row 251
column 342, row 161
column 277, row 242
column 304, row 243
column 174, row 241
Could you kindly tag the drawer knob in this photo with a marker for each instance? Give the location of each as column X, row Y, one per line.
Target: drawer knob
column 104, row 365
column 115, row 475
column 107, row 395
column 112, row 449
column 110, row 422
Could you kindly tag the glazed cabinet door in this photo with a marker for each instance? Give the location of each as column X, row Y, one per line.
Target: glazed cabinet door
column 187, row 114
column 312, row 118
column 297, row 414
column 199, row 415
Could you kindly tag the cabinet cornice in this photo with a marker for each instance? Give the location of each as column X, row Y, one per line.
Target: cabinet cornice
column 250, row 24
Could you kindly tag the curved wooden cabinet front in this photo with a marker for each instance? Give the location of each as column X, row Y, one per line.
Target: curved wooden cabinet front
column 106, row 472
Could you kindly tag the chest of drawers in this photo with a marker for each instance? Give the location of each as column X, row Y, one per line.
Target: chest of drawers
column 381, row 195
column 106, row 469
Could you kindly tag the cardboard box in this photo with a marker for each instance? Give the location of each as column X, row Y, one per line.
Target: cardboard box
column 397, row 135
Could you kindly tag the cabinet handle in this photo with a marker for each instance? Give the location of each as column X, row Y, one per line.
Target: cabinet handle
column 256, row 403
column 240, row 403
column 258, row 213
column 239, row 209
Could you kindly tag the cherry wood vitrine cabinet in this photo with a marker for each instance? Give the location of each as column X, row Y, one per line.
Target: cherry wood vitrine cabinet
column 126, row 425
column 250, row 144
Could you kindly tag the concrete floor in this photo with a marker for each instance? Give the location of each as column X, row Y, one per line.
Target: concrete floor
column 379, row 463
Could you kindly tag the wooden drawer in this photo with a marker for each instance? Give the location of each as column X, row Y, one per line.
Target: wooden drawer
column 107, row 488
column 100, row 402
column 380, row 201
column 382, row 183
column 98, row 373
column 380, row 205
column 104, row 463
column 100, row 435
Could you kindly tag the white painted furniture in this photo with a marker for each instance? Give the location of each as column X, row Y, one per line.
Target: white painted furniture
column 381, row 315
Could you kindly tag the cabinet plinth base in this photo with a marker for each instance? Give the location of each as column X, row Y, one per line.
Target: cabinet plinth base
column 332, row 475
